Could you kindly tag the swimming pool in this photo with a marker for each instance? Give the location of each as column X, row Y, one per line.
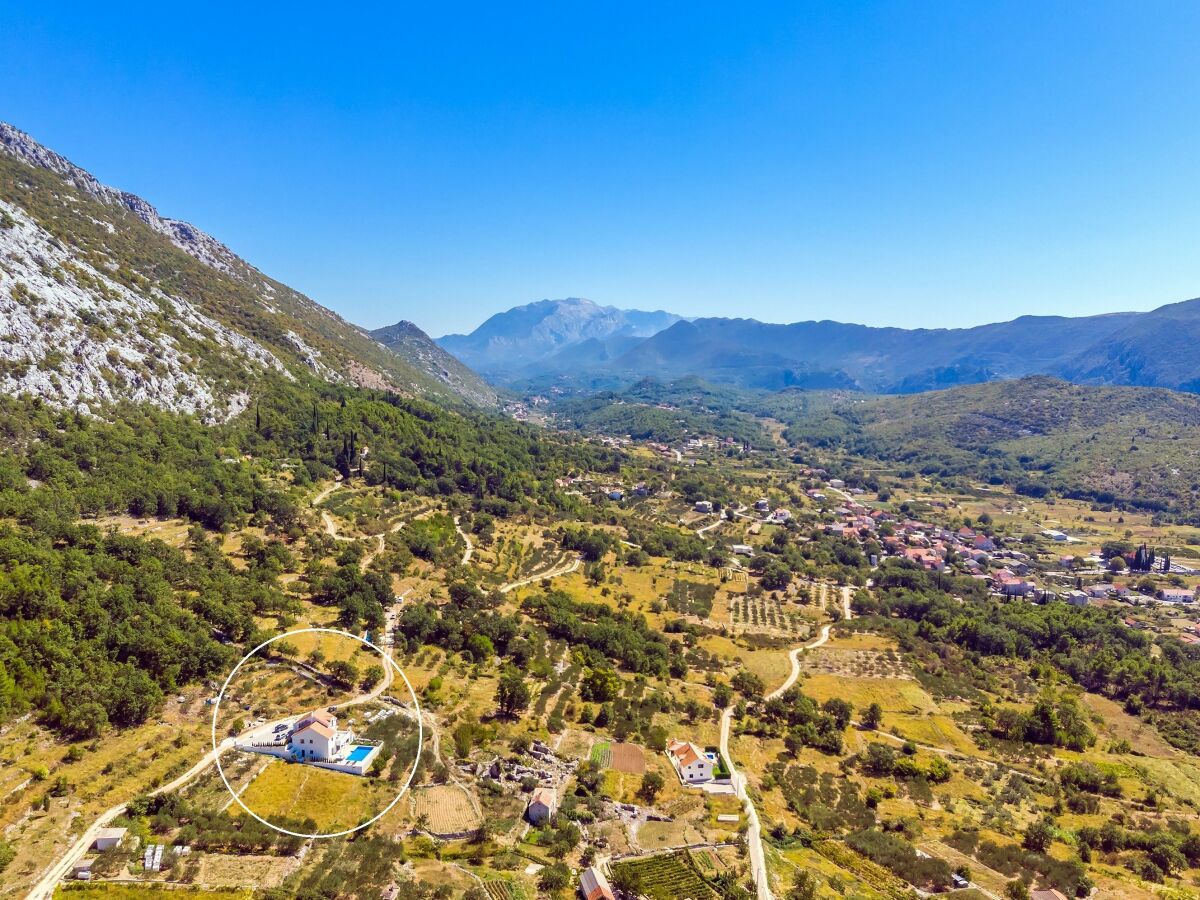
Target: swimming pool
column 359, row 753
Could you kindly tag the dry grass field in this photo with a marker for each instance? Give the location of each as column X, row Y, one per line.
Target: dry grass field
column 334, row 800
column 264, row 872
column 445, row 809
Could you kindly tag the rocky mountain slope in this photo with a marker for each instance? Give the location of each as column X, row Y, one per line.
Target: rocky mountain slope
column 411, row 343
column 545, row 337
column 102, row 299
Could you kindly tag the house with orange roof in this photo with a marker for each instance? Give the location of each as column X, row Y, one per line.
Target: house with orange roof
column 593, row 885
column 692, row 763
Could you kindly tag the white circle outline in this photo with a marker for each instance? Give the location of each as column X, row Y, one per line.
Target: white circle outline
column 387, row 659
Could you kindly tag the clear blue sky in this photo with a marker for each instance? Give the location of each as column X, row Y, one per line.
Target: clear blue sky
column 889, row 163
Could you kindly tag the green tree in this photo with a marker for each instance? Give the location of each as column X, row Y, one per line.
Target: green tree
column 652, row 783
column 872, row 717
column 512, row 693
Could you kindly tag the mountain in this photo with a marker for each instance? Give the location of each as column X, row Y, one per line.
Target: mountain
column 1144, row 349
column 102, row 299
column 579, row 345
column 541, row 337
column 414, row 345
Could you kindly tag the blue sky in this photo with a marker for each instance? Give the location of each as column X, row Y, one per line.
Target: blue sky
column 934, row 164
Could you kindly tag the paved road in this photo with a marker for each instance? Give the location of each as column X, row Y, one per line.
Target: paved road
column 758, row 864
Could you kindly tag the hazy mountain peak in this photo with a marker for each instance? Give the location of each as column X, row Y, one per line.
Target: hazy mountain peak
column 524, row 336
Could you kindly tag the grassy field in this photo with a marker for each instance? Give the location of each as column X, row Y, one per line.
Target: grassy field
column 334, row 800
column 114, row 891
column 902, row 696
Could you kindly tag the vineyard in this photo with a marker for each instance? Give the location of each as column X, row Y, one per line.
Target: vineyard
column 445, row 809
column 504, row 890
column 669, row 876
column 766, row 614
column 871, row 872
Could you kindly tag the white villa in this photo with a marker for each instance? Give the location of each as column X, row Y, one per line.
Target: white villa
column 690, row 761
column 316, row 737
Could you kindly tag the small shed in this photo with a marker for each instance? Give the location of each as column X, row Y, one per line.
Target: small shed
column 107, row 838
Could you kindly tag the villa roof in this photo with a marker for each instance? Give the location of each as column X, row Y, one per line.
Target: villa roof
column 319, row 727
column 685, row 753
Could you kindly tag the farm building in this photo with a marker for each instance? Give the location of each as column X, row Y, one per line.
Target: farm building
column 742, row 549
column 1176, row 595
column 704, row 506
column 542, row 806
column 593, row 885
column 82, row 870
column 106, row 838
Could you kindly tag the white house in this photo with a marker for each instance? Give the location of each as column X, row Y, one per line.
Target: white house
column 542, row 806
column 316, row 737
column 742, row 549
column 703, row 506
column 693, row 766
column 1176, row 595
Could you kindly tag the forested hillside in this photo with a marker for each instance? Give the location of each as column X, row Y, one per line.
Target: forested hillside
column 96, row 627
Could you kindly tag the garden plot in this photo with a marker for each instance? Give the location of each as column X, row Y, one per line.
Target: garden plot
column 855, row 663
column 445, row 809
column 628, row 758
column 767, row 614
column 499, row 889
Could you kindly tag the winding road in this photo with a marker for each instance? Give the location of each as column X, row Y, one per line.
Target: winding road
column 551, row 573
column 59, row 870
column 758, row 863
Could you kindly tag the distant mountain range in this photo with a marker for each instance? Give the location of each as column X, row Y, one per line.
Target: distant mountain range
column 1156, row 349
column 102, row 300
column 552, row 336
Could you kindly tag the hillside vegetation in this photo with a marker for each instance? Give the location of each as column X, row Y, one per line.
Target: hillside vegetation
column 1131, row 446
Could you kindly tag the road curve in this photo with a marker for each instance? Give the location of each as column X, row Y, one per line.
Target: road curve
column 44, row 889
column 552, row 573
column 758, row 864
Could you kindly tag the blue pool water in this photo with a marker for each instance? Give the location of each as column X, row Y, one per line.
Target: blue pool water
column 359, row 753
